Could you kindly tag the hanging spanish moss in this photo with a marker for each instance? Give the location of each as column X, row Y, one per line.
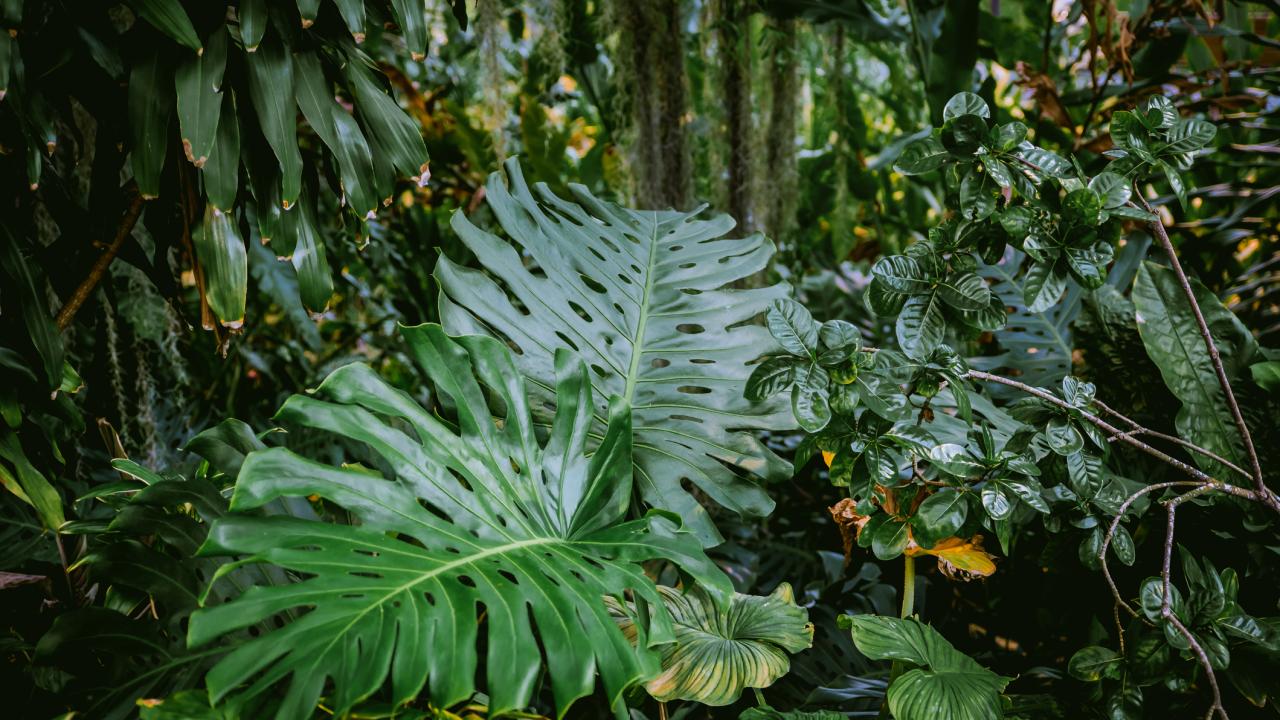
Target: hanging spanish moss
column 653, row 99
column 732, row 23
column 779, row 204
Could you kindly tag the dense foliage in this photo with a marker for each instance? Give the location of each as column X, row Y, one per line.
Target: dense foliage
column 375, row 359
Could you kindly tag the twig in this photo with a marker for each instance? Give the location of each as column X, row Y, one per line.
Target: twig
column 1166, row 603
column 99, row 269
column 1111, row 532
column 1140, row 430
column 1267, row 497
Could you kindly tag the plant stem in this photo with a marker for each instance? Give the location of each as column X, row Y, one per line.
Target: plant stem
column 908, row 585
column 86, row 286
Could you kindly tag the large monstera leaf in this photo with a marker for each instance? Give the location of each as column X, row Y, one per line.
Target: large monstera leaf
column 481, row 519
column 642, row 297
column 718, row 653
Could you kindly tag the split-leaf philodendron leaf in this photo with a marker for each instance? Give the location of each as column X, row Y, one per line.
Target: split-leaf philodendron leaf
column 719, row 653
column 481, row 519
column 642, row 296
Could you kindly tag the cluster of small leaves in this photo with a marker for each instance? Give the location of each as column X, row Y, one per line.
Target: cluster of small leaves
column 1209, row 610
column 1003, row 191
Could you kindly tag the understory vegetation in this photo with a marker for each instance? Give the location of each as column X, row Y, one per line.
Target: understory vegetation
column 756, row 359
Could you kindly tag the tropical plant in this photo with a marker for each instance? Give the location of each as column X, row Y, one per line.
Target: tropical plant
column 643, row 297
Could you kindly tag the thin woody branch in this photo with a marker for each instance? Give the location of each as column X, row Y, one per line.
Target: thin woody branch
column 99, row 269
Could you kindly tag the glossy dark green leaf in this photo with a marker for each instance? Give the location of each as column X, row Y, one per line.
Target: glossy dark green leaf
column 941, row 515
column 921, row 156
column 965, row 103
column 921, row 325
column 770, row 377
column 1173, row 342
column 955, row 460
column 1157, row 113
column 151, row 103
column 999, row 172
column 1094, row 662
column 198, row 82
column 1151, row 598
column 308, row 10
column 647, row 300
column 965, row 291
column 1174, row 178
column 1190, row 135
column 340, row 133
column 963, row 135
column 222, row 171
column 169, row 17
column 890, row 539
column 1029, row 491
column 1089, row 265
column 809, row 398
column 1267, row 375
column 1122, row 546
column 1114, row 190
column 1082, row 207
column 478, row 519
column 413, row 26
column 793, row 327
column 315, row 278
column 352, row 12
column 1008, row 136
column 224, row 265
column 391, row 133
column 944, row 683
column 1062, row 436
column 271, row 92
column 996, row 502
column 901, row 274
column 718, row 653
column 1044, row 285
column 840, row 334
column 1046, row 163
column 253, row 22
column 977, row 196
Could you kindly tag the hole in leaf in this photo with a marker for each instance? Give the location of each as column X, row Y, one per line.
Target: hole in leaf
column 693, row 390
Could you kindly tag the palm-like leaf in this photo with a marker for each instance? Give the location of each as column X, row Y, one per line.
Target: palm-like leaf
column 640, row 295
column 718, row 653
column 483, row 517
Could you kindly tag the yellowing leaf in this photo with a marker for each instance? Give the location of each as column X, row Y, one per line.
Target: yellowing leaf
column 958, row 559
column 827, row 457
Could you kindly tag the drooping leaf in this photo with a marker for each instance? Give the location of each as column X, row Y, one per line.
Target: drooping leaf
column 253, row 22
column 392, row 134
column 222, row 171
column 170, row 18
column 479, row 519
column 340, row 133
column 1172, row 339
column 23, row 289
column 718, row 653
column 945, row 684
column 224, row 264
column 271, row 94
column 640, row 295
column 198, row 82
column 150, row 112
column 315, row 278
column 27, row 482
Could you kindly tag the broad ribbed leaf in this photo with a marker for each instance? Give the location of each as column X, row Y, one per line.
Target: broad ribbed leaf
column 719, row 653
column 965, row 103
column 640, row 295
column 1173, row 342
column 946, row 685
column 921, row 325
column 922, row 156
column 150, row 110
column 198, row 81
column 477, row 520
column 1191, row 135
column 1043, row 285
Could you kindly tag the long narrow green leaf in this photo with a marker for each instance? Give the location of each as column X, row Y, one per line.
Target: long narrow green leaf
column 315, row 279
column 170, row 18
column 271, row 91
column 352, row 12
column 150, row 112
column 225, row 264
column 393, row 134
column 222, row 172
column 35, row 488
column 198, row 81
column 340, row 133
column 23, row 290
column 253, row 23
column 413, row 26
